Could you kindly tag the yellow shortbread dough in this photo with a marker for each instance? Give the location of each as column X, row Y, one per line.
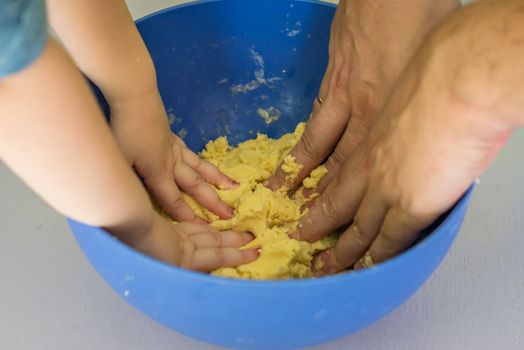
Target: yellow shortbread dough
column 269, row 216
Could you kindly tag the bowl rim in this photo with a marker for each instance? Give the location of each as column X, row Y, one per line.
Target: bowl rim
column 203, row 2
column 107, row 238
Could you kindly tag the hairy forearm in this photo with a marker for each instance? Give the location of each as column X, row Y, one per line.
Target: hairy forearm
column 53, row 135
column 480, row 51
column 101, row 37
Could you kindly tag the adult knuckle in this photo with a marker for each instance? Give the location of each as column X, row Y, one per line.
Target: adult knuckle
column 331, row 208
column 407, row 206
column 308, row 145
column 359, row 234
column 388, row 241
column 341, row 79
column 337, row 158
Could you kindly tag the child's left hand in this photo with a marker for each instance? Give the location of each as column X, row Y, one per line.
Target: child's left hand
column 162, row 159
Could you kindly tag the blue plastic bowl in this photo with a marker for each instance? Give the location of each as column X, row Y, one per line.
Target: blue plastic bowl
column 208, row 56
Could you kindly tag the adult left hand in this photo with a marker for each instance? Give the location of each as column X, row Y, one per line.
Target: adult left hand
column 366, row 58
column 428, row 145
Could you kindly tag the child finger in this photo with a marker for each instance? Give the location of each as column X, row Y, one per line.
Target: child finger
column 209, row 259
column 170, row 199
column 208, row 171
column 221, row 239
column 194, row 185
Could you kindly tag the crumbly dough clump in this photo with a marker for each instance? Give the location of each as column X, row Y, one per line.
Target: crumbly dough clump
column 269, row 216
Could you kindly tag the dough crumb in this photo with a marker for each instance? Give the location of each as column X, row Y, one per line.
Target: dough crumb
column 314, row 178
column 291, row 168
column 269, row 115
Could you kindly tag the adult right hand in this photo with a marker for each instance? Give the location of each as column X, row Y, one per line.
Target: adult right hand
column 371, row 42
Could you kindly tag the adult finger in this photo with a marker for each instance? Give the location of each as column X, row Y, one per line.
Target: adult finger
column 355, row 133
column 323, row 130
column 398, row 232
column 208, row 171
column 209, row 259
column 221, row 239
column 323, row 90
column 355, row 241
column 194, row 185
column 336, row 205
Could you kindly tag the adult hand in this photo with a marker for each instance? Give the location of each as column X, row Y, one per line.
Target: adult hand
column 449, row 116
column 370, row 44
column 163, row 160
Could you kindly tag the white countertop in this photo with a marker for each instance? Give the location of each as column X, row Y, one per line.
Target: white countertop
column 51, row 298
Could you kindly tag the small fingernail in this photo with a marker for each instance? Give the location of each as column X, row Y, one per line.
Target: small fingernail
column 234, row 183
column 318, row 264
column 253, row 251
column 295, row 235
column 307, row 206
column 271, row 185
column 364, row 262
column 328, row 263
column 266, row 183
column 256, row 249
column 307, row 192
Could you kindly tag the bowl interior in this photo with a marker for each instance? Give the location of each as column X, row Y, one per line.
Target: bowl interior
column 219, row 65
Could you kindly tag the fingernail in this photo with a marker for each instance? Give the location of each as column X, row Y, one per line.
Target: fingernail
column 322, row 263
column 271, row 185
column 267, row 184
column 247, row 233
column 295, row 235
column 318, row 264
column 307, row 192
column 365, row 261
column 248, row 252
column 307, row 206
column 234, row 183
column 256, row 249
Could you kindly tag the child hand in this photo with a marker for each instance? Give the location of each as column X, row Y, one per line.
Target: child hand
column 162, row 159
column 195, row 246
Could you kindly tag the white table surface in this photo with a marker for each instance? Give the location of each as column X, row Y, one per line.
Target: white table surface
column 51, row 298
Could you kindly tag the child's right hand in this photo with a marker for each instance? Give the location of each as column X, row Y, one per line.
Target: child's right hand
column 195, row 246
column 162, row 159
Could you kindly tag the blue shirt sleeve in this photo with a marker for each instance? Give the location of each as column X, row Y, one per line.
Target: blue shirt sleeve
column 23, row 34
